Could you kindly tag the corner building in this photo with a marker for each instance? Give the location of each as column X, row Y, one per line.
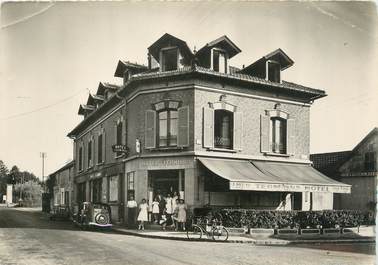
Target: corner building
column 216, row 134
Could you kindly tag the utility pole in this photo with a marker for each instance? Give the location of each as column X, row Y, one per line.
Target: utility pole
column 43, row 155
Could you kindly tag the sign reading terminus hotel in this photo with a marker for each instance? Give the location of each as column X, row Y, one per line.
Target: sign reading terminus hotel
column 287, row 187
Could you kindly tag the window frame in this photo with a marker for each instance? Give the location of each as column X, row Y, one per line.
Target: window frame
column 273, row 141
column 119, row 137
column 225, row 56
column 130, row 189
column 90, row 153
column 81, row 158
column 167, row 106
column 267, row 71
column 100, row 150
column 163, row 67
column 230, row 114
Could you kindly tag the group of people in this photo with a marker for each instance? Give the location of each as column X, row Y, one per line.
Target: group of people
column 166, row 211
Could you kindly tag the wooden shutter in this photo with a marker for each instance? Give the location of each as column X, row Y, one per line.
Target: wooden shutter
column 93, row 151
column 208, row 127
column 238, row 131
column 150, row 129
column 103, row 146
column 183, row 127
column 290, row 136
column 264, row 133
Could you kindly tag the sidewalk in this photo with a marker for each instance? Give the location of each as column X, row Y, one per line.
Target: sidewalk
column 365, row 236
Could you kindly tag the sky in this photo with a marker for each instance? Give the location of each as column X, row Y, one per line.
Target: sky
column 53, row 54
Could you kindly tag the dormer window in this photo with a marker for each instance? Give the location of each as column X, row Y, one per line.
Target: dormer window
column 219, row 61
column 273, row 71
column 169, row 59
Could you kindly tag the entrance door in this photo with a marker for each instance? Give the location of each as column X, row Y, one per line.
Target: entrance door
column 297, row 201
column 166, row 181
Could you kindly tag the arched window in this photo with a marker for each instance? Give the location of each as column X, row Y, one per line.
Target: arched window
column 223, row 129
column 278, row 135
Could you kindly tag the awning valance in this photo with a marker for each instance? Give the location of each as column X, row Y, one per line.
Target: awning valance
column 273, row 176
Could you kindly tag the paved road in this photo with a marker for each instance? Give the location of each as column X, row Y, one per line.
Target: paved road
column 27, row 237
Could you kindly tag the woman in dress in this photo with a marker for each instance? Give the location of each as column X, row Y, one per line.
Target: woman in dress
column 155, row 210
column 181, row 215
column 143, row 214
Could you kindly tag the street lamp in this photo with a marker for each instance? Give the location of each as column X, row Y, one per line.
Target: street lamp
column 43, row 155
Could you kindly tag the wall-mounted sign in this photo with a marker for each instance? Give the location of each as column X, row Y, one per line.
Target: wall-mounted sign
column 120, row 148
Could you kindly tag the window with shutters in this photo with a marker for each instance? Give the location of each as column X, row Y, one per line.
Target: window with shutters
column 90, row 158
column 278, row 135
column 219, row 61
column 118, row 139
column 223, row 129
column 167, row 126
column 130, row 184
column 273, row 71
column 370, row 161
column 80, row 158
column 99, row 148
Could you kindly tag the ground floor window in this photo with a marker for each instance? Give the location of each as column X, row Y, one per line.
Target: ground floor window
column 66, row 198
column 113, row 188
column 96, row 190
column 81, row 190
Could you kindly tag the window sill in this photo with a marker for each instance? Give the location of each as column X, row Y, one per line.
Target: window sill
column 276, row 154
column 166, row 148
column 100, row 164
column 222, row 150
column 89, row 168
column 118, row 157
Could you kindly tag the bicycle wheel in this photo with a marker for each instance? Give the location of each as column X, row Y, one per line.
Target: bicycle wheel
column 194, row 233
column 219, row 233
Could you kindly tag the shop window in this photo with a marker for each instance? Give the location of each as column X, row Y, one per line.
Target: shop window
column 169, row 59
column 167, row 128
column 130, row 184
column 96, row 190
column 223, row 129
column 370, row 161
column 90, row 158
column 273, row 71
column 278, row 135
column 113, row 188
column 219, row 61
column 80, row 158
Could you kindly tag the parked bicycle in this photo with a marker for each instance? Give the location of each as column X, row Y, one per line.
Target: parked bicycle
column 212, row 228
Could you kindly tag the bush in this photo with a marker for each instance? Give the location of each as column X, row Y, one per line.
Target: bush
column 294, row 219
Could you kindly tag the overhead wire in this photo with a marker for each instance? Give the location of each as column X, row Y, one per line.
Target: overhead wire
column 42, row 108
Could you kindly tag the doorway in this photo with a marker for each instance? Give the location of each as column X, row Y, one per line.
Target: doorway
column 297, row 201
column 165, row 181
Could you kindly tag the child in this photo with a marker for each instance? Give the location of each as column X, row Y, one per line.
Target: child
column 143, row 215
column 155, row 210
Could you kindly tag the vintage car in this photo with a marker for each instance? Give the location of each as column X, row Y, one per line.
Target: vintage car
column 90, row 214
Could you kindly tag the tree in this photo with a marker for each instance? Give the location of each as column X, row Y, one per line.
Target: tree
column 3, row 178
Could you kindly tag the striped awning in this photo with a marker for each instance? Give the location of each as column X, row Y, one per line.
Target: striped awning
column 273, row 176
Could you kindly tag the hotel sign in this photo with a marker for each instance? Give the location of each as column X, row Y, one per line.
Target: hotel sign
column 120, row 148
column 235, row 185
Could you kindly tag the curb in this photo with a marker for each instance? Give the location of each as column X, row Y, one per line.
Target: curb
column 280, row 242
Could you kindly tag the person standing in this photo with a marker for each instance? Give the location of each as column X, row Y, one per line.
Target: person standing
column 169, row 207
column 131, row 212
column 181, row 216
column 143, row 214
column 155, row 210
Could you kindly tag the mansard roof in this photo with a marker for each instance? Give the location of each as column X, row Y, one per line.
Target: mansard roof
column 168, row 40
column 278, row 56
column 122, row 66
column 83, row 109
column 102, row 86
column 222, row 42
